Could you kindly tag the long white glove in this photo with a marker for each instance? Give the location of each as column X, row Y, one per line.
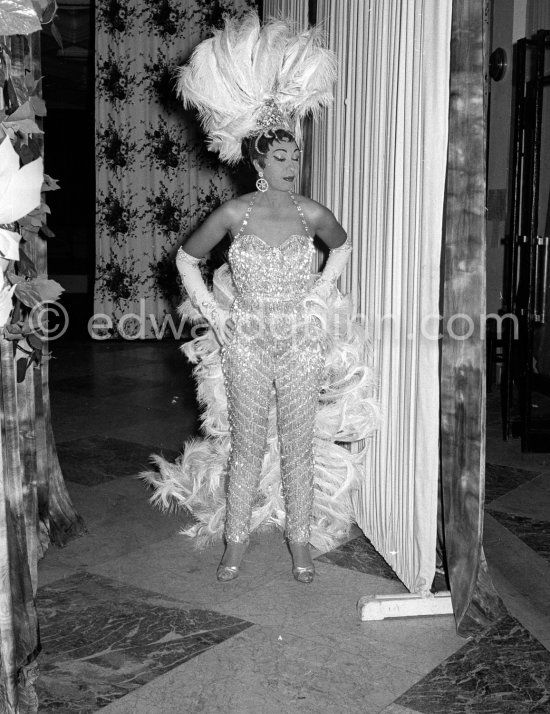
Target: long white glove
column 200, row 296
column 334, row 267
column 316, row 301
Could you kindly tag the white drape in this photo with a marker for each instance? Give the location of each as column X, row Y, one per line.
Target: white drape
column 379, row 164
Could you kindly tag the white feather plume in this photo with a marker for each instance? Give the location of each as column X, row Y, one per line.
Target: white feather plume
column 232, row 76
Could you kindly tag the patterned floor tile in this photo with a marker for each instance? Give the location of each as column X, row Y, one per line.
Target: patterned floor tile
column 102, row 639
column 500, row 480
column 100, row 385
column 502, row 671
column 535, row 534
column 96, row 459
column 359, row 554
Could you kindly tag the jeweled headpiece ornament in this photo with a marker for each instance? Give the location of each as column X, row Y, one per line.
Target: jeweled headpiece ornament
column 248, row 79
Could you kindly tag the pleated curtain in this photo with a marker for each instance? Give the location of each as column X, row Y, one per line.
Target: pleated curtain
column 379, row 163
column 296, row 10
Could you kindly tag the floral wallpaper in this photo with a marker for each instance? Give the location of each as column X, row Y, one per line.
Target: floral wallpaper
column 155, row 179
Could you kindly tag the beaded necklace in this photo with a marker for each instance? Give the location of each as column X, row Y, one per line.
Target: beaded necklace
column 249, row 210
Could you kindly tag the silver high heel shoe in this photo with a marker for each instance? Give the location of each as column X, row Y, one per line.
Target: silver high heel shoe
column 302, row 573
column 225, row 573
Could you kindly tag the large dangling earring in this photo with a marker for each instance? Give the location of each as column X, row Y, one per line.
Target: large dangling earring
column 261, row 183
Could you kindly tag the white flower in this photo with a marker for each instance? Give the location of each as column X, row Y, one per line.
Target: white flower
column 19, row 194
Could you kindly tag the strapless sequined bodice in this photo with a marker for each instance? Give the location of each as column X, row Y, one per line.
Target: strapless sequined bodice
column 265, row 271
column 262, row 270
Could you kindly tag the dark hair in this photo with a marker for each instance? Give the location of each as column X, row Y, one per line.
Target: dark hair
column 256, row 147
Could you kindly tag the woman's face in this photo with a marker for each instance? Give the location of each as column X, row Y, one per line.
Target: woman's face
column 281, row 165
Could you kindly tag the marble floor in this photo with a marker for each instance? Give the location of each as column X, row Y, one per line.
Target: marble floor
column 133, row 620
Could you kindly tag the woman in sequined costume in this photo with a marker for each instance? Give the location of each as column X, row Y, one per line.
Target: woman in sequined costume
column 272, row 338
column 283, row 373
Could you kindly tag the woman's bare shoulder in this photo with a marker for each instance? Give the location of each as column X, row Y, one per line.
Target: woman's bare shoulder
column 234, row 209
column 222, row 220
column 315, row 212
column 322, row 222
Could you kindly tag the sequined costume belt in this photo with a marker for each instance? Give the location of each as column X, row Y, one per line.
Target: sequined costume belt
column 269, row 316
column 253, row 301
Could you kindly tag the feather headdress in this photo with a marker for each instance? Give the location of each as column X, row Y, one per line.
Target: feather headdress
column 249, row 78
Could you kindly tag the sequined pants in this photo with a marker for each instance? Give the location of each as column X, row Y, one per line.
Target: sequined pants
column 274, row 345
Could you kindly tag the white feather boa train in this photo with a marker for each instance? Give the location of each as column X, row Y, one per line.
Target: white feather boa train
column 348, row 413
